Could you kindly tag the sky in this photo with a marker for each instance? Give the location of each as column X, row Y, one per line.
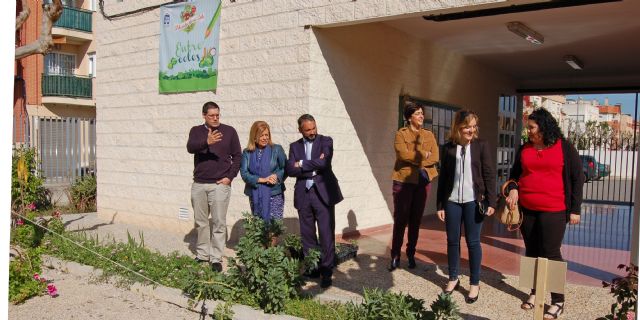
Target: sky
column 628, row 100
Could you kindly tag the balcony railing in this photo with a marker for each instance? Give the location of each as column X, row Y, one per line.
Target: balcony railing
column 74, row 18
column 67, row 86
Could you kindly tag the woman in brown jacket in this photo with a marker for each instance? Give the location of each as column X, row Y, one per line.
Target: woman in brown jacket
column 416, row 157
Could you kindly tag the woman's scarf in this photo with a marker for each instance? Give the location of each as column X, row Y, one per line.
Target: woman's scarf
column 261, row 196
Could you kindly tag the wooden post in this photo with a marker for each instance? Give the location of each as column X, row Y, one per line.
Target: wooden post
column 541, row 288
column 545, row 276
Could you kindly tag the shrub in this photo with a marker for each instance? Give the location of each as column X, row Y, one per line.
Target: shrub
column 82, row 194
column 261, row 275
column 315, row 310
column 24, row 269
column 27, row 184
column 173, row 270
column 27, row 232
column 27, row 235
column 223, row 311
column 293, row 243
column 444, row 308
column 625, row 289
column 268, row 272
column 378, row 304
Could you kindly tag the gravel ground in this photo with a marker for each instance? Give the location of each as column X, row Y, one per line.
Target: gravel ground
column 81, row 298
column 500, row 296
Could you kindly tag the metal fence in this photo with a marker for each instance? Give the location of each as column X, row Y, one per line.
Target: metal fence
column 66, row 147
column 609, row 174
column 602, row 226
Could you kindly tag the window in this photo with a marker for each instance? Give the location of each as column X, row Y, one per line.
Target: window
column 92, row 5
column 92, row 64
column 507, row 111
column 57, row 63
column 437, row 117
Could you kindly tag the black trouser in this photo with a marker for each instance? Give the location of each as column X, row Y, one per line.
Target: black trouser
column 543, row 233
column 409, row 200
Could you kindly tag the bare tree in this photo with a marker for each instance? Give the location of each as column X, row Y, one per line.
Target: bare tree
column 50, row 14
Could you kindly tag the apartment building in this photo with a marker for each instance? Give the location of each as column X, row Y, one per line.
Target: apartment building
column 54, row 104
column 578, row 112
column 553, row 104
column 611, row 116
column 627, row 125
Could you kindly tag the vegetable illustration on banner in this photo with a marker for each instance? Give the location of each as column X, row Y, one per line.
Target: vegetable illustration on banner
column 189, row 39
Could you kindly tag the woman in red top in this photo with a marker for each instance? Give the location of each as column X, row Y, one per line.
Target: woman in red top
column 550, row 178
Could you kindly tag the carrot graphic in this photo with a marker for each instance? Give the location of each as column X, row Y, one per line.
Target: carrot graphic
column 207, row 32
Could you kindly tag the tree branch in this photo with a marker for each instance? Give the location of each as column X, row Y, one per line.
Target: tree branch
column 51, row 13
column 24, row 14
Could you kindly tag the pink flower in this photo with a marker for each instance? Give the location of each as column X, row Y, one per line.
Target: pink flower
column 56, row 214
column 631, row 315
column 52, row 290
column 36, row 276
column 31, row 206
column 19, row 222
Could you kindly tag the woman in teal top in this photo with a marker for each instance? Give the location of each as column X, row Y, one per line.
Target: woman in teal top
column 262, row 170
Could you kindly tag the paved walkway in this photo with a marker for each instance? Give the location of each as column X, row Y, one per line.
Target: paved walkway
column 500, row 294
column 593, row 249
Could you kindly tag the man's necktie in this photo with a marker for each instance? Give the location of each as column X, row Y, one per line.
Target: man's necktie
column 307, row 151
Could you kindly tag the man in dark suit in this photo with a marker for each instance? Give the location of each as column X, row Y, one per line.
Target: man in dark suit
column 316, row 192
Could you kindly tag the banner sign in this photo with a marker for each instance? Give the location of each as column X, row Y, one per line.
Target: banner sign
column 189, row 38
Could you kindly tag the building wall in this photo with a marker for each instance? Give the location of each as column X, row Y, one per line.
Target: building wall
column 581, row 111
column 626, row 124
column 272, row 68
column 33, row 67
column 32, row 64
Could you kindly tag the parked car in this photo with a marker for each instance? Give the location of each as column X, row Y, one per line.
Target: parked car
column 589, row 167
column 602, row 170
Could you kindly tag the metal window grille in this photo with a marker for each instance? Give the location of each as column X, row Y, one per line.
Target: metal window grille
column 66, row 147
column 57, row 63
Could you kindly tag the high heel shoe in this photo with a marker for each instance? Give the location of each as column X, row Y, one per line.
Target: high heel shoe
column 395, row 263
column 554, row 315
column 529, row 303
column 454, row 288
column 471, row 300
column 412, row 262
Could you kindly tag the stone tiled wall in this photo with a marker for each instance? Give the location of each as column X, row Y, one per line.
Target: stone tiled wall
column 271, row 68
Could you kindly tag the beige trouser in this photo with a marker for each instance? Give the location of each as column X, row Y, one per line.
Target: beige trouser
column 212, row 235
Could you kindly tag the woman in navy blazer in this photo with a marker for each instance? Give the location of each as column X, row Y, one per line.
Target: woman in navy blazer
column 262, row 170
column 466, row 193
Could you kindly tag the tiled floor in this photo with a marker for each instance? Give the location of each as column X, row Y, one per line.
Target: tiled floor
column 588, row 264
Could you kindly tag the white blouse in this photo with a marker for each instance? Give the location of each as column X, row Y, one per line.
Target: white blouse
column 463, row 180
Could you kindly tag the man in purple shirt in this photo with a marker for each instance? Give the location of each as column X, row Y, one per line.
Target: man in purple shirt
column 216, row 159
